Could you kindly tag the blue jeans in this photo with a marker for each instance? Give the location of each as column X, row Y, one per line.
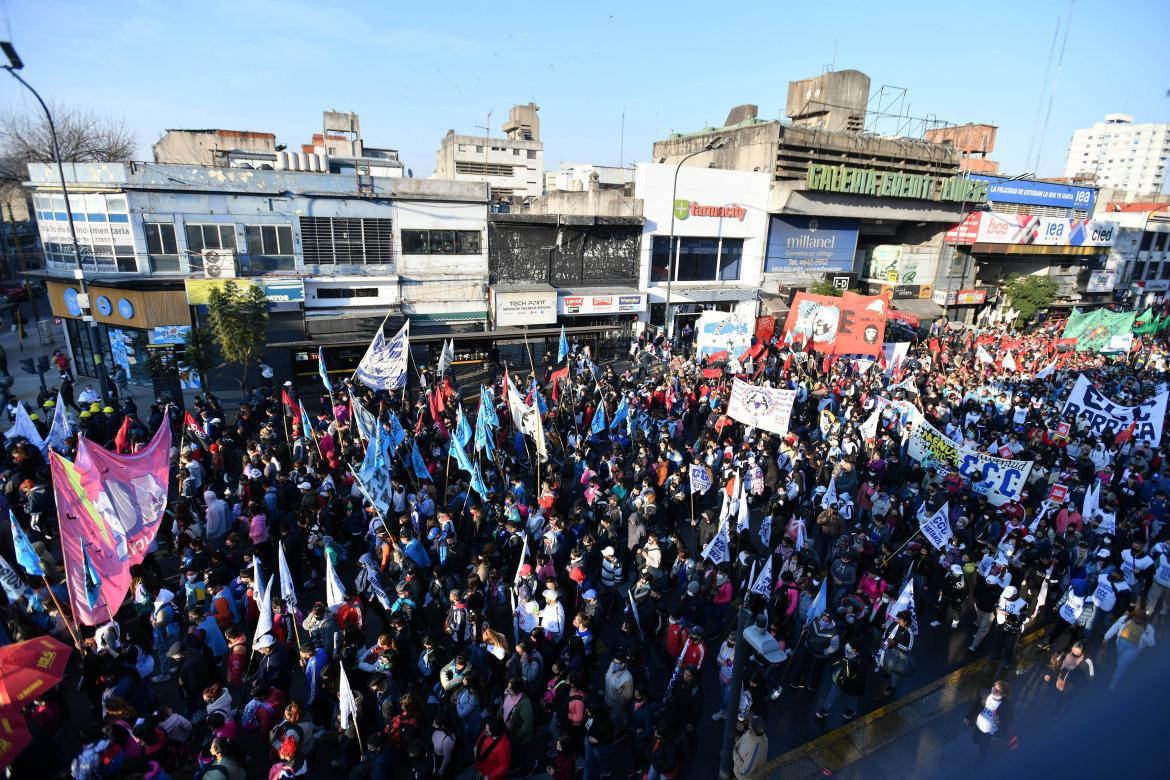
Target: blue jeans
column 597, row 760
column 835, row 692
column 1127, row 653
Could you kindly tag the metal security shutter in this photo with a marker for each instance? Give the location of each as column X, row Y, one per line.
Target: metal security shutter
column 344, row 241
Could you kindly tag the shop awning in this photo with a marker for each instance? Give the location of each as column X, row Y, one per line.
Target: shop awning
column 924, row 309
column 713, row 294
column 773, row 304
column 616, row 290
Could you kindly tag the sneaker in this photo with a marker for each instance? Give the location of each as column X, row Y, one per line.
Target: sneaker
column 971, row 648
column 955, row 623
column 822, row 714
column 935, row 624
column 776, row 693
column 160, row 678
column 719, row 715
column 849, row 714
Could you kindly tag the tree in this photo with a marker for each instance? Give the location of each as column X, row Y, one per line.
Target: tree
column 199, row 351
column 825, row 287
column 239, row 323
column 1028, row 294
column 82, row 136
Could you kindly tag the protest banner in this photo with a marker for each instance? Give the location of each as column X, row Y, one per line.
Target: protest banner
column 1107, row 417
column 1000, row 479
column 761, row 407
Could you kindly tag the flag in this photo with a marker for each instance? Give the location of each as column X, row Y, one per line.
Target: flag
column 384, row 365
column 1047, row 371
column 563, row 347
column 937, row 527
column 122, row 437
column 25, row 555
column 477, row 483
column 1008, row 363
column 397, row 432
column 446, row 357
column 483, row 432
column 905, row 602
column 347, row 705
column 487, row 407
column 460, row 454
column 334, row 590
column 819, row 604
column 287, row 400
column 264, row 622
column 287, row 591
column 1092, row 501
column 718, row 549
column 363, row 420
column 321, row 370
column 598, row 419
column 88, row 541
column 555, row 379
column 869, row 428
column 62, row 427
column 24, row 427
column 763, row 583
column 93, row 583
column 1125, row 435
column 14, row 585
column 523, row 557
column 621, row 413
column 743, row 521
column 983, row 356
column 306, row 421
column 418, row 464
column 699, row 477
column 830, row 496
column 766, row 530
column 257, row 576
column 538, row 438
column 462, row 427
column 194, row 428
column 374, row 473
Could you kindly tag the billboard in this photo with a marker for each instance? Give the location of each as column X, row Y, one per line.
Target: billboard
column 810, row 244
column 850, row 325
column 970, row 297
column 1101, row 281
column 275, row 290
column 1037, row 193
column 996, row 228
column 532, row 307
column 601, row 304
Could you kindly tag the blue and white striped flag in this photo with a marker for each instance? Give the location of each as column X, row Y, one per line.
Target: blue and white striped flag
column 384, row 365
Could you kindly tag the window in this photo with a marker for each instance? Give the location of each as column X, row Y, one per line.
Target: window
column 270, row 248
column 440, row 242
column 342, row 241
column 531, row 154
column 1147, row 239
column 347, row 292
column 698, row 259
column 162, row 247
column 218, row 237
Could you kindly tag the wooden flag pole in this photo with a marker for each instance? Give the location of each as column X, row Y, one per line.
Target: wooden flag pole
column 61, row 610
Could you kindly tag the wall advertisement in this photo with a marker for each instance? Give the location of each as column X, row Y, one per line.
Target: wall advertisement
column 985, row 227
column 1037, row 193
column 533, row 307
column 1101, row 281
column 800, row 244
column 631, row 303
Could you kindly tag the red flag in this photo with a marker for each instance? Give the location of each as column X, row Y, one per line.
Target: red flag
column 712, row 373
column 287, row 400
column 1126, row 435
column 122, row 437
column 193, row 427
column 556, row 377
column 715, row 357
column 787, row 363
column 934, row 347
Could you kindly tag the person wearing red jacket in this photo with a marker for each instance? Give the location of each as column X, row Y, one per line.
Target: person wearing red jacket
column 693, row 651
column 493, row 751
column 676, row 635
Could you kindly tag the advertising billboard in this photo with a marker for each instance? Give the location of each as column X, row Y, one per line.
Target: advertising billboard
column 601, row 304
column 533, row 307
column 1037, row 193
column 1043, row 231
column 1101, row 281
column 810, row 244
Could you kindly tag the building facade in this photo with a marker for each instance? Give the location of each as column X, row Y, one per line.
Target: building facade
column 333, row 255
column 1119, row 154
column 1139, row 262
column 513, row 166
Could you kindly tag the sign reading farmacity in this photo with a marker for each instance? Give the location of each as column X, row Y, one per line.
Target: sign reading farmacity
column 799, row 244
column 890, row 184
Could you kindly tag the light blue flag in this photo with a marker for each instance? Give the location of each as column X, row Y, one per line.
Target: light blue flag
column 483, row 434
column 397, row 433
column 25, row 555
column 460, row 454
column 462, row 427
column 418, row 464
column 365, row 422
column 818, row 605
column 563, row 349
column 477, row 483
column 538, row 399
column 374, row 472
column 93, row 583
column 321, row 370
column 306, row 421
column 621, row 413
column 487, row 405
column 599, row 419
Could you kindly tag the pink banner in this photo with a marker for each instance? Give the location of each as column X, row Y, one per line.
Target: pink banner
column 82, row 525
column 128, row 491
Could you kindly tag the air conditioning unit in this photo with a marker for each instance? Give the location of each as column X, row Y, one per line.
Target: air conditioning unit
column 219, row 263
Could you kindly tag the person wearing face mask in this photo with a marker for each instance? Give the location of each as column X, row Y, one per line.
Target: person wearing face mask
column 991, row 714
column 821, row 642
column 619, row 689
column 1010, row 614
column 848, row 676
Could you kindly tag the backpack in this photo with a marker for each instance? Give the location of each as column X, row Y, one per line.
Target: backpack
column 577, row 709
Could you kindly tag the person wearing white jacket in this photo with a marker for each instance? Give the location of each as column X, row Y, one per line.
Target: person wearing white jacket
column 1134, row 633
column 1160, row 588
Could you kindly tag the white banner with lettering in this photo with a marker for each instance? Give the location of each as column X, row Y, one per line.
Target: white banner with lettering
column 1000, row 479
column 1107, row 416
column 761, row 407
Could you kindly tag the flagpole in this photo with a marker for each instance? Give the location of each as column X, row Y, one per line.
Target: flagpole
column 61, row 610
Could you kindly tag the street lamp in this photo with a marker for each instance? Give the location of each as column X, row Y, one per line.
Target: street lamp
column 15, row 64
column 671, row 262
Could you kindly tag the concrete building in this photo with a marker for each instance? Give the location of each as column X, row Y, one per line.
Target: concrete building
column 210, row 148
column 1120, row 154
column 1138, row 265
column 834, row 101
column 513, row 166
column 576, row 177
column 334, row 254
column 973, row 142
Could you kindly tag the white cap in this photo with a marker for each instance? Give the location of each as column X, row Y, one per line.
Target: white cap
column 268, row 640
column 956, row 570
column 608, row 551
column 1010, row 592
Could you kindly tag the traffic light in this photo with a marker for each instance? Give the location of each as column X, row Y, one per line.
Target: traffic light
column 28, row 365
column 43, row 364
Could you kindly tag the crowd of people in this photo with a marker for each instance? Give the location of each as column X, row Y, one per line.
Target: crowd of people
column 573, row 612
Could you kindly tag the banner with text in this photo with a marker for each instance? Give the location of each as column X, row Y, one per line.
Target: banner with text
column 1105, row 416
column 761, row 407
column 1000, row 479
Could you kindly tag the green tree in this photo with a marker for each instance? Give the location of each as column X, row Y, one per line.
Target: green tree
column 1028, row 294
column 825, row 287
column 199, row 351
column 239, row 323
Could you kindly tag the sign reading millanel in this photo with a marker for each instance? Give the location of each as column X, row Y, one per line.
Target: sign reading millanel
column 811, row 244
column 1105, row 416
column 850, row 325
column 1000, row 479
column 887, row 184
column 761, row 407
column 719, row 331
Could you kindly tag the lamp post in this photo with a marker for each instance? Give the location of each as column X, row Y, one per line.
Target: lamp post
column 667, row 321
column 15, row 64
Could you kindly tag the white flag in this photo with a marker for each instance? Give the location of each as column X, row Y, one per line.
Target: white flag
column 1092, row 501
column 1009, row 361
column 763, row 583
column 700, row 478
column 744, row 520
column 446, row 357
column 264, row 623
column 24, row 427
column 983, row 356
column 334, row 590
column 869, row 427
column 347, row 704
column 384, row 365
column 523, row 556
column 830, row 496
column 905, row 602
column 286, row 582
column 1047, row 371
column 718, row 549
column 257, row 575
column 937, row 527
column 62, row 427
column 766, row 530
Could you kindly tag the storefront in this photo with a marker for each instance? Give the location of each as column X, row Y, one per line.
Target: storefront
column 703, row 241
column 132, row 324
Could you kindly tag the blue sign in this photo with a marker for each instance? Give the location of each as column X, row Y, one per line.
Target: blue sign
column 104, row 307
column 283, row 290
column 1037, row 193
column 811, row 244
column 126, row 309
column 71, row 302
column 169, row 334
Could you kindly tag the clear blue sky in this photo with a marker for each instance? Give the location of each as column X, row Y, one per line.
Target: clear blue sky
column 413, row 70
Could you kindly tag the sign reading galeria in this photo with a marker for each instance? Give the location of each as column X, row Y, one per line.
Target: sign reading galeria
column 1000, row 479
column 850, row 325
column 1105, row 416
column 761, row 407
column 888, row 184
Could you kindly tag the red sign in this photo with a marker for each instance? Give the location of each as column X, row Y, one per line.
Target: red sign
column 966, row 231
column 970, row 297
column 602, row 300
column 1006, row 452
column 1058, row 493
column 1062, row 430
column 902, row 316
column 765, row 327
